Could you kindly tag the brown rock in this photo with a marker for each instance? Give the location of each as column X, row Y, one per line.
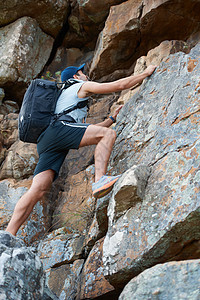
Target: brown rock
column 194, row 39
column 76, row 205
column 172, row 19
column 190, row 251
column 118, row 39
column 64, row 280
column 86, row 21
column 160, row 53
column 63, row 58
column 137, row 31
column 93, row 283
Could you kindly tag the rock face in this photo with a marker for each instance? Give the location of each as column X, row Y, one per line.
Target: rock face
column 21, row 270
column 161, row 281
column 91, row 249
column 61, row 254
column 123, row 40
column 161, row 130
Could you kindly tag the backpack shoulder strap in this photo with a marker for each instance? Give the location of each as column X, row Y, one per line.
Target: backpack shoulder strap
column 66, row 111
column 69, row 83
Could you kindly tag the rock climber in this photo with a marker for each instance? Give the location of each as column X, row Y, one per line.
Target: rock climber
column 72, row 133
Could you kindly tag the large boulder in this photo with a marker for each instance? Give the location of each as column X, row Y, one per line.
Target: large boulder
column 158, row 127
column 21, row 272
column 123, row 40
column 50, row 15
column 174, row 280
column 25, row 49
column 128, row 191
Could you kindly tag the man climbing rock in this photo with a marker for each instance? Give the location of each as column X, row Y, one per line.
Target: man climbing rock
column 70, row 132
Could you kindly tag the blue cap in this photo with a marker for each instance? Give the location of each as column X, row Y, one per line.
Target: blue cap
column 69, row 72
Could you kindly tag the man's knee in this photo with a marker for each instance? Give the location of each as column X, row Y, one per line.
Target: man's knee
column 37, row 192
column 41, row 184
column 94, row 134
column 111, row 134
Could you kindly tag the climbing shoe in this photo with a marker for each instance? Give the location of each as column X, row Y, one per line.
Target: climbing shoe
column 104, row 185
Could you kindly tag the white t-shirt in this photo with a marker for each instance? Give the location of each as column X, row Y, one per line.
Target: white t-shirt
column 69, row 98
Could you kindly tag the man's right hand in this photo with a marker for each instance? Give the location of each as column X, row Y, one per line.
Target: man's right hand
column 150, row 69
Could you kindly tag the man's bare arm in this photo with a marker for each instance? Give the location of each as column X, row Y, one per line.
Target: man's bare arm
column 91, row 87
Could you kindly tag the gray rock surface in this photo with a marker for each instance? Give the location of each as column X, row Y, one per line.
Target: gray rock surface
column 60, row 248
column 21, row 271
column 173, row 280
column 158, row 127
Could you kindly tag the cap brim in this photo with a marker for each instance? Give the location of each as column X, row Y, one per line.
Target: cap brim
column 81, row 67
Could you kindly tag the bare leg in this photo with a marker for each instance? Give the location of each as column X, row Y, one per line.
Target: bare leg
column 104, row 138
column 40, row 185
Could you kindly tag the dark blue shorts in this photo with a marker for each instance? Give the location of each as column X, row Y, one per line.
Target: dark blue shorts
column 54, row 144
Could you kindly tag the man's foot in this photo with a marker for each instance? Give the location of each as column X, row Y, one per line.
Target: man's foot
column 104, row 185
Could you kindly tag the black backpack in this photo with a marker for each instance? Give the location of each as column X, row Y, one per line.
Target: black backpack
column 38, row 106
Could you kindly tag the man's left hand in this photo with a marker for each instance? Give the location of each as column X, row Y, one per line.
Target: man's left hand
column 117, row 111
